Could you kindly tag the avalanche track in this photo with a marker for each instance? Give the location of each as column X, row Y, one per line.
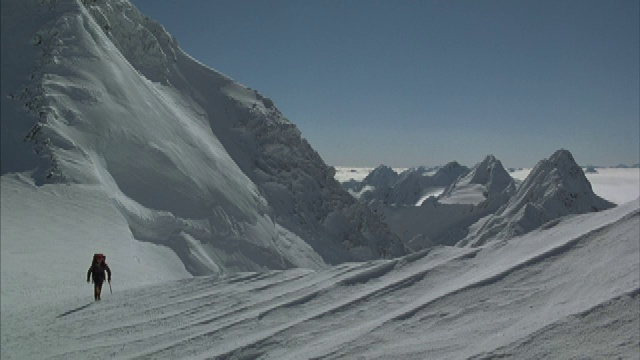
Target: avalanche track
column 566, row 291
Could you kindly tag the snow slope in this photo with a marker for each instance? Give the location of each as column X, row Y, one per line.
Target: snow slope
column 570, row 291
column 193, row 161
column 49, row 233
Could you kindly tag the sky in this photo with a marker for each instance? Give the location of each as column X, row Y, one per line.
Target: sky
column 407, row 83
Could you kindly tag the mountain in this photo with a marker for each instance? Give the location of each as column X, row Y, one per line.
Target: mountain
column 189, row 159
column 411, row 187
column 486, row 180
column 415, row 186
column 556, row 187
column 377, row 182
column 485, row 202
column 445, row 219
column 382, row 176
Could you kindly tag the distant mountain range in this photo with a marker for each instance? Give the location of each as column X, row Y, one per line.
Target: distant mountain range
column 461, row 206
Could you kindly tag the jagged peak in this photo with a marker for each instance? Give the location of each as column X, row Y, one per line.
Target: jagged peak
column 560, row 165
column 562, row 155
column 489, row 164
column 555, row 187
column 383, row 168
column 450, row 166
column 382, row 175
column 488, row 178
column 559, row 174
column 489, row 159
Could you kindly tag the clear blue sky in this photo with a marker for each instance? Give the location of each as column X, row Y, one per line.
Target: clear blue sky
column 408, row 83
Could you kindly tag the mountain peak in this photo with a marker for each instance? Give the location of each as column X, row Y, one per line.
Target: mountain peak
column 490, row 158
column 192, row 160
column 381, row 176
column 487, row 179
column 555, row 187
column 562, row 155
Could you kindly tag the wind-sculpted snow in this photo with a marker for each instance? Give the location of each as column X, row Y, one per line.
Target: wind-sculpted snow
column 532, row 297
column 191, row 159
column 606, row 331
column 579, row 278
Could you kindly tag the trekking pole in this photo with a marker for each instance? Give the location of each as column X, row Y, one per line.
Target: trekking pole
column 111, row 291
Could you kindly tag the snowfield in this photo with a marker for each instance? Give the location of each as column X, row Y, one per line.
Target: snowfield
column 572, row 290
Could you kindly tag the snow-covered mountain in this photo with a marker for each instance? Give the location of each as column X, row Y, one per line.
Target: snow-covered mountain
column 191, row 160
column 556, row 187
column 410, row 188
column 486, row 180
column 414, row 186
column 381, row 176
column 444, row 219
column 483, row 203
column 378, row 181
